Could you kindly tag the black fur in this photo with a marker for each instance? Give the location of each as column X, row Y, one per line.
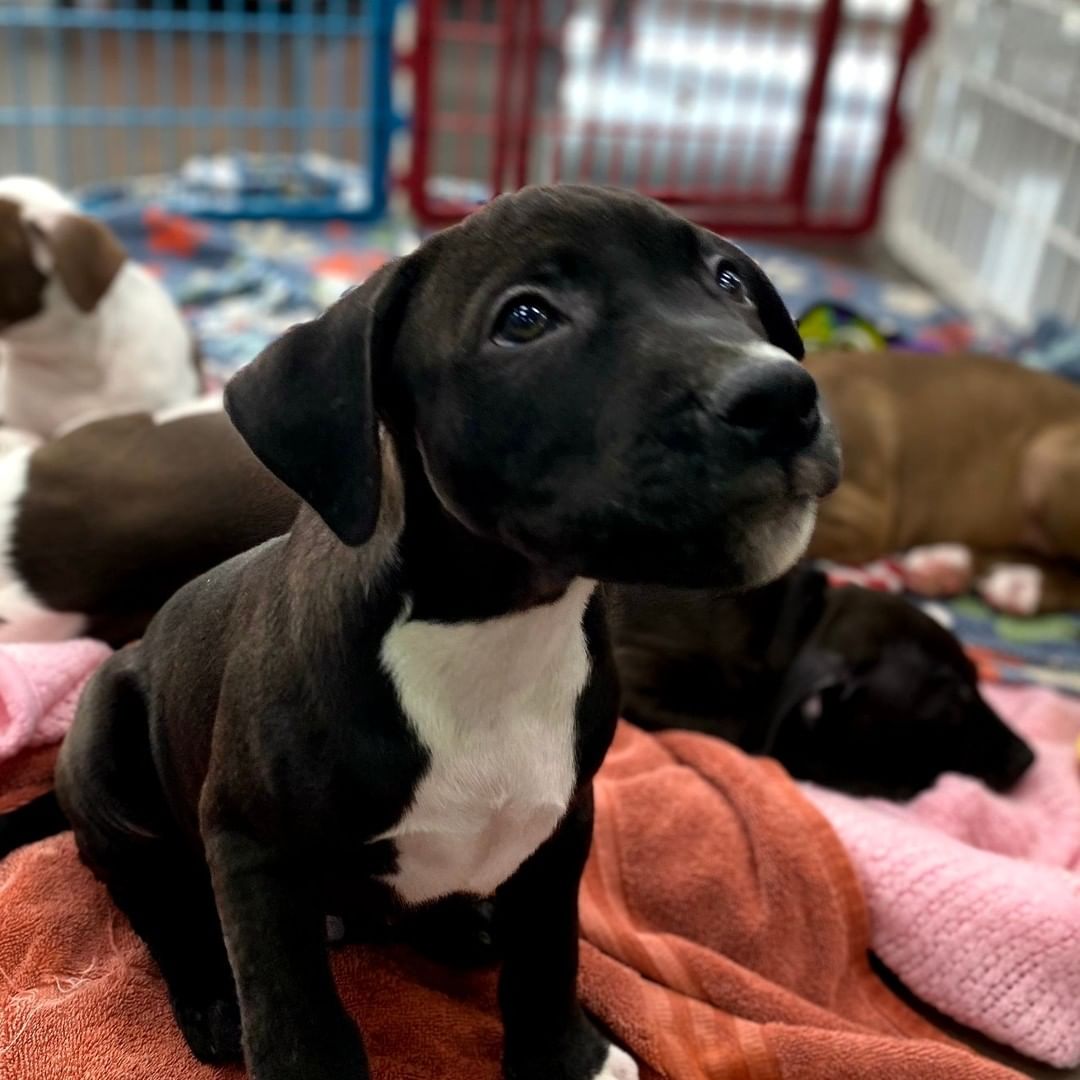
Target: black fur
column 36, row 819
column 324, row 446
column 854, row 689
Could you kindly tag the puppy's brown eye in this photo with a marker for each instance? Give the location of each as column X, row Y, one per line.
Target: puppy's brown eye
column 728, row 279
column 522, row 321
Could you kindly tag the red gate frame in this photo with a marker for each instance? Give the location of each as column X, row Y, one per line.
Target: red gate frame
column 520, row 40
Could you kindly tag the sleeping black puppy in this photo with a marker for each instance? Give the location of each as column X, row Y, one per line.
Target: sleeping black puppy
column 851, row 688
column 406, row 697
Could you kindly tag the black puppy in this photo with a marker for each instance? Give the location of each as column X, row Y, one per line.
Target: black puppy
column 851, row 688
column 406, row 698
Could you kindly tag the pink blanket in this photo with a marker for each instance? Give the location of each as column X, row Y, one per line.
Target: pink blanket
column 975, row 897
column 39, row 688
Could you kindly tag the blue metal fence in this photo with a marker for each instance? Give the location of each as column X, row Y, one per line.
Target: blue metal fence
column 249, row 108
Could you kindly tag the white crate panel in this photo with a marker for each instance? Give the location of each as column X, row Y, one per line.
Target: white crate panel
column 986, row 205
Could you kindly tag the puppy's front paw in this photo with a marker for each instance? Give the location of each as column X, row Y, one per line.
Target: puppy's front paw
column 937, row 570
column 1013, row 588
column 581, row 1054
column 211, row 1029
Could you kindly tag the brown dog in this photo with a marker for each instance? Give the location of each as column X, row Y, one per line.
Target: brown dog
column 961, row 450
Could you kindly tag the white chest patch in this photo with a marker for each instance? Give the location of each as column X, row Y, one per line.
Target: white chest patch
column 493, row 703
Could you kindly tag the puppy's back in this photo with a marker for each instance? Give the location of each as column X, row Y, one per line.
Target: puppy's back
column 118, row 514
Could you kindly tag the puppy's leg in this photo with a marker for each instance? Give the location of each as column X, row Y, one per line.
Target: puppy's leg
column 1049, row 479
column 167, row 897
column 938, row 570
column 107, row 786
column 547, row 1034
column 295, row 1027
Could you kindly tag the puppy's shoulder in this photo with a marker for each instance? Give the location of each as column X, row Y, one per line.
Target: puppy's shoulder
column 209, row 606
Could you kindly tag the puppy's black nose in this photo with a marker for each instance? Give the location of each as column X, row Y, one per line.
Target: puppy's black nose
column 1019, row 759
column 776, row 403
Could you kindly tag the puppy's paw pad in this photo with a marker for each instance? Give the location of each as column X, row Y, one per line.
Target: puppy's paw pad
column 938, row 569
column 1013, row 588
column 619, row 1065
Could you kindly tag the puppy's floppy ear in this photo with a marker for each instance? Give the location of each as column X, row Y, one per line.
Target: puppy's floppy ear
column 776, row 321
column 305, row 405
column 81, row 251
column 802, row 591
column 21, row 283
column 813, row 676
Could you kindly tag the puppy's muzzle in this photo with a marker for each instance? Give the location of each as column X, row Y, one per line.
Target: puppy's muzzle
column 775, row 405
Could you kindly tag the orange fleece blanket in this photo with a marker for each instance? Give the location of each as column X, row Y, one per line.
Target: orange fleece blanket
column 724, row 937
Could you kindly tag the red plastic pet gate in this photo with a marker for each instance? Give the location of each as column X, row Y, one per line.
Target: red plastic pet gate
column 762, row 115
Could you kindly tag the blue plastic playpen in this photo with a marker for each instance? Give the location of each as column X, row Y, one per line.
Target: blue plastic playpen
column 262, row 108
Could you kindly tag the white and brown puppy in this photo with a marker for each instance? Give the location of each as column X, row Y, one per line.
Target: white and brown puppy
column 85, row 332
column 99, row 527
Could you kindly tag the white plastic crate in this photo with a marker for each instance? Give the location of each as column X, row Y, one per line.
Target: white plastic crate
column 986, row 204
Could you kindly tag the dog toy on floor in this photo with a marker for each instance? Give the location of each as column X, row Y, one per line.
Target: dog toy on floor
column 830, row 325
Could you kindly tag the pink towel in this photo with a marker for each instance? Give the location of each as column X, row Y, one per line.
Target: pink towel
column 975, row 897
column 39, row 688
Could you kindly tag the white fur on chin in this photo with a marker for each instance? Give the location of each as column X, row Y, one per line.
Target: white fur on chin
column 778, row 546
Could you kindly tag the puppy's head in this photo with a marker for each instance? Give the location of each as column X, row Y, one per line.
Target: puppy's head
column 44, row 241
column 585, row 378
column 883, row 700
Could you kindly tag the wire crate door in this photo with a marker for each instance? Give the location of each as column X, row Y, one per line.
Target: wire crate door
column 270, row 107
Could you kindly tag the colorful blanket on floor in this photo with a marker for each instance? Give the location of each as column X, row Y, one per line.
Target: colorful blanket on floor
column 1040, row 651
